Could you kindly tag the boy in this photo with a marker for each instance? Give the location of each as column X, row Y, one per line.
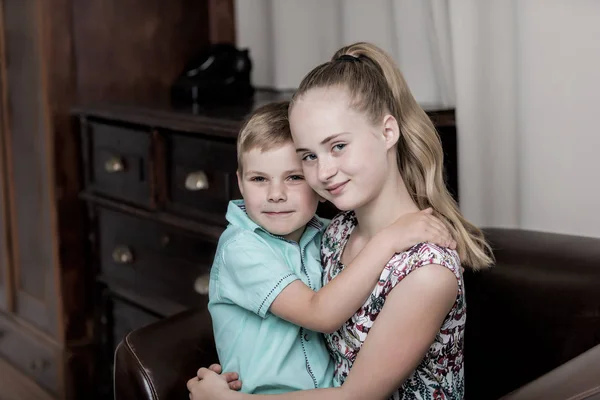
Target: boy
column 265, row 295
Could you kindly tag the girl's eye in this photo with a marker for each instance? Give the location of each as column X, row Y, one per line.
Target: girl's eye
column 296, row 178
column 257, row 179
column 339, row 146
column 309, row 157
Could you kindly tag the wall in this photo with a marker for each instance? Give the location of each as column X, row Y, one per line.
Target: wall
column 559, row 91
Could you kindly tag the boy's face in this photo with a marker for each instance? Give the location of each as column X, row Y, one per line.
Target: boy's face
column 276, row 195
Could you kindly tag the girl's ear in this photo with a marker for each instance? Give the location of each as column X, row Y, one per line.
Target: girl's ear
column 391, row 131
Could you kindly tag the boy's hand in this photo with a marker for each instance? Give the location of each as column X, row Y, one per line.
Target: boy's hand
column 413, row 228
column 232, row 378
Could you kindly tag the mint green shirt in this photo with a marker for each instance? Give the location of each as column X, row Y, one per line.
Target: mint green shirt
column 250, row 269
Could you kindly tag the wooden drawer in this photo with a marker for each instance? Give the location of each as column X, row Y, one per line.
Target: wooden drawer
column 152, row 259
column 32, row 355
column 119, row 162
column 201, row 176
column 126, row 317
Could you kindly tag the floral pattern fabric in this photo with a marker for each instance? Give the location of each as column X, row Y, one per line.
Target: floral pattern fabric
column 440, row 375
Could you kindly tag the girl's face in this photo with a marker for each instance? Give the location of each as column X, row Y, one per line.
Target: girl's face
column 345, row 158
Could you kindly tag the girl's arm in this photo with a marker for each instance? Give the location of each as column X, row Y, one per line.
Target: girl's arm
column 327, row 309
column 407, row 325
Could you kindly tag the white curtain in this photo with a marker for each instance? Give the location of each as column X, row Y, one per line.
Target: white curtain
column 287, row 38
column 484, row 50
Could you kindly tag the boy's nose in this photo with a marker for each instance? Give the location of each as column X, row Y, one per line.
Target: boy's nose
column 276, row 194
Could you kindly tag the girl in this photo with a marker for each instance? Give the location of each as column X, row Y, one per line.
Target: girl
column 368, row 147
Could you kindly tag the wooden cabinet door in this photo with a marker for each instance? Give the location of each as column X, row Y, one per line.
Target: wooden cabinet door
column 5, row 267
column 29, row 168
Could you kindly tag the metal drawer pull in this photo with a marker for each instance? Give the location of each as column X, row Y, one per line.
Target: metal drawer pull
column 122, row 255
column 201, row 284
column 38, row 365
column 196, row 181
column 113, row 165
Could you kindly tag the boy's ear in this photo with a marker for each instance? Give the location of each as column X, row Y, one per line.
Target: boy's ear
column 239, row 180
column 391, row 131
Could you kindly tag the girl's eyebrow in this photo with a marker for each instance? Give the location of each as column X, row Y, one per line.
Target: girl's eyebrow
column 327, row 139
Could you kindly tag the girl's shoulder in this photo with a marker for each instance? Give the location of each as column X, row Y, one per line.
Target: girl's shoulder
column 423, row 254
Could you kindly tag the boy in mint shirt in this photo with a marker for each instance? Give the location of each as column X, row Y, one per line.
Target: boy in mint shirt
column 265, row 295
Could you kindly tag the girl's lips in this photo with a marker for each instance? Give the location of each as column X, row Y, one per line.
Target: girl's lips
column 336, row 189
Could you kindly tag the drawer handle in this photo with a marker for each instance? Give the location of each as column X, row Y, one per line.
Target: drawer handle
column 201, row 284
column 38, row 365
column 196, row 181
column 113, row 165
column 122, row 255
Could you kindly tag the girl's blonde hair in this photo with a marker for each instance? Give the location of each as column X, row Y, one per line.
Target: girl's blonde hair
column 376, row 87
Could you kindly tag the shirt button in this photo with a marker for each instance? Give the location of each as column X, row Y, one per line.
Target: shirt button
column 306, row 337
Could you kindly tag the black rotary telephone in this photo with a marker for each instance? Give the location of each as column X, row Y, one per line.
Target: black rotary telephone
column 219, row 75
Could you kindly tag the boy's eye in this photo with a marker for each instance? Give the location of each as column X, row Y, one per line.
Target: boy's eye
column 257, row 179
column 339, row 146
column 296, row 177
column 309, row 157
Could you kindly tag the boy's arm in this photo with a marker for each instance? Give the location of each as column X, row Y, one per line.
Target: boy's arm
column 326, row 310
column 248, row 273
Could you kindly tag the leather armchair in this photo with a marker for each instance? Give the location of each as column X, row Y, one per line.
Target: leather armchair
column 533, row 328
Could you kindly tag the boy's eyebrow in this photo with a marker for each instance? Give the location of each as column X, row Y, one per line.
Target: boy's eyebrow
column 327, row 139
column 254, row 173
column 288, row 172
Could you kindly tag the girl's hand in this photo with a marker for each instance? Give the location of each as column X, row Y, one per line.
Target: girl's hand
column 208, row 385
column 413, row 228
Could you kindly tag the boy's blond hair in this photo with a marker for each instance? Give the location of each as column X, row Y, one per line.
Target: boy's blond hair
column 266, row 129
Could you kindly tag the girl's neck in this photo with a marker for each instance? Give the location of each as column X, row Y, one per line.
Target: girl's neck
column 390, row 204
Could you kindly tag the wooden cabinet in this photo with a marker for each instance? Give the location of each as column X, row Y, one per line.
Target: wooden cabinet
column 55, row 54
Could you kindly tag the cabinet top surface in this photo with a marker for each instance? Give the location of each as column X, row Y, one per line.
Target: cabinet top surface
column 215, row 120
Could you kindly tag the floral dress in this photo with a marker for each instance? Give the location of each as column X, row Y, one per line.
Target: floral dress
column 440, row 375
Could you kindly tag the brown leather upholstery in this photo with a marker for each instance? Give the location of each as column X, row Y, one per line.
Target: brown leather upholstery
column 531, row 314
column 156, row 361
column 576, row 379
column 537, row 309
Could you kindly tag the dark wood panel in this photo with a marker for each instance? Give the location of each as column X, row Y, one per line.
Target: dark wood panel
column 119, row 162
column 132, row 50
column 6, row 295
column 15, row 386
column 151, row 259
column 221, row 19
column 201, row 176
column 126, row 317
column 30, row 178
column 59, row 88
column 34, row 356
column 203, row 230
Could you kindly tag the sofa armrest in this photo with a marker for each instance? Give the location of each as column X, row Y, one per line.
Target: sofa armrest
column 577, row 379
column 155, row 362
